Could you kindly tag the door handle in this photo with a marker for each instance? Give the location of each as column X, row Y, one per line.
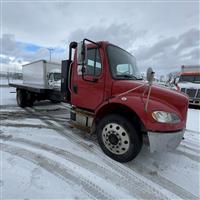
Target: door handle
column 75, row 88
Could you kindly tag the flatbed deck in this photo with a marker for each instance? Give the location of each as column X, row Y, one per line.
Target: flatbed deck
column 49, row 93
column 33, row 88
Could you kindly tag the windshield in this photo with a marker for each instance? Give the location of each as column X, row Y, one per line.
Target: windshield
column 122, row 64
column 57, row 76
column 190, row 78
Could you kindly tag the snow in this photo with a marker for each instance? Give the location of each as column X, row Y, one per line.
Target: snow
column 7, row 96
column 3, row 81
column 33, row 181
column 193, row 122
column 42, row 156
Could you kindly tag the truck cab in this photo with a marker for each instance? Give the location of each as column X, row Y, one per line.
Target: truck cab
column 102, row 83
column 189, row 83
column 54, row 78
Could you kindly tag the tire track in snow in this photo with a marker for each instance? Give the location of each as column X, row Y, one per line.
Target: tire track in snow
column 190, row 143
column 133, row 187
column 62, row 130
column 188, row 130
column 186, row 154
column 17, row 115
column 118, row 167
column 58, row 170
column 162, row 181
column 21, row 125
column 167, row 184
column 197, row 151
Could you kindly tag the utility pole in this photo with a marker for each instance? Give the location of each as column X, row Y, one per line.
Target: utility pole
column 50, row 50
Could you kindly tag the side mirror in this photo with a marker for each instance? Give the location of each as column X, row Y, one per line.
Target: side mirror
column 176, row 80
column 81, row 53
column 150, row 75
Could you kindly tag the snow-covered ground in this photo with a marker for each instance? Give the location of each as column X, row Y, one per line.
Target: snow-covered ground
column 3, row 81
column 42, row 156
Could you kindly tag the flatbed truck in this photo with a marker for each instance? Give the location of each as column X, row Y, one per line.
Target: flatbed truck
column 41, row 81
column 103, row 86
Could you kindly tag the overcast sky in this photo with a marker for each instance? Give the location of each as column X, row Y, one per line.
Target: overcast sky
column 161, row 34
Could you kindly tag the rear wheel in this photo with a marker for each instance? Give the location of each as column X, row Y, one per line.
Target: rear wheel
column 30, row 99
column 118, row 138
column 55, row 101
column 21, row 98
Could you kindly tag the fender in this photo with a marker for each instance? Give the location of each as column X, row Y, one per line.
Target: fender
column 136, row 104
column 136, row 109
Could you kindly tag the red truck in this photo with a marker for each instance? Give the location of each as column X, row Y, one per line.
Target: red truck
column 107, row 95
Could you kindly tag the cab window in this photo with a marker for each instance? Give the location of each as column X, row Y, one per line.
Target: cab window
column 51, row 78
column 122, row 64
column 124, row 69
column 93, row 67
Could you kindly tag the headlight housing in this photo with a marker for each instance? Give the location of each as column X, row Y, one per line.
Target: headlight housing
column 165, row 117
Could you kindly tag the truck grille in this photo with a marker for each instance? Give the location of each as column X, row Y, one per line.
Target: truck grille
column 198, row 94
column 183, row 90
column 191, row 92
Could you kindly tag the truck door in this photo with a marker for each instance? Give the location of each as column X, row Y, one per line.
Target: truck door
column 88, row 89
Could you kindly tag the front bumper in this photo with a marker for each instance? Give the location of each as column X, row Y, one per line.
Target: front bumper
column 195, row 102
column 160, row 142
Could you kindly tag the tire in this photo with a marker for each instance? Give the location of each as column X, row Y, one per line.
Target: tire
column 29, row 99
column 118, row 138
column 21, row 98
column 54, row 101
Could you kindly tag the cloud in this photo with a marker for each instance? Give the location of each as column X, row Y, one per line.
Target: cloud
column 171, row 52
column 160, row 34
column 159, row 47
column 49, row 23
column 189, row 39
column 164, row 55
column 122, row 34
column 15, row 52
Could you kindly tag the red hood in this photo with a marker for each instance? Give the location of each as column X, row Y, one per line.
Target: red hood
column 173, row 99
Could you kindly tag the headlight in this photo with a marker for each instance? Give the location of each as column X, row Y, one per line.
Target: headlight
column 165, row 117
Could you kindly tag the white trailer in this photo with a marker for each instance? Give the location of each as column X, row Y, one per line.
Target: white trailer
column 41, row 81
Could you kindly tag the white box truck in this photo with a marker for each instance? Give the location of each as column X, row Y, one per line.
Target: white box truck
column 41, row 81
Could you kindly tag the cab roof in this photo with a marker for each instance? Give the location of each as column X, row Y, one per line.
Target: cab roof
column 190, row 74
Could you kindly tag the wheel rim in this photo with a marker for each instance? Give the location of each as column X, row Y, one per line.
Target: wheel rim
column 115, row 138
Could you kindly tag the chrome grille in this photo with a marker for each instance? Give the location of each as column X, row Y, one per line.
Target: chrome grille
column 183, row 90
column 198, row 94
column 191, row 92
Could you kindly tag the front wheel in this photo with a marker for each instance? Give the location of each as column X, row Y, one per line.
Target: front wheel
column 118, row 138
